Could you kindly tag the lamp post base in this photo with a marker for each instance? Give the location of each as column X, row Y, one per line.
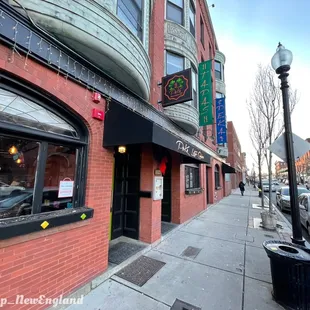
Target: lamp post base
column 298, row 241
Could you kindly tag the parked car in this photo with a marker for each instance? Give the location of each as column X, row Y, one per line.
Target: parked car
column 9, row 190
column 266, row 186
column 283, row 197
column 21, row 203
column 304, row 209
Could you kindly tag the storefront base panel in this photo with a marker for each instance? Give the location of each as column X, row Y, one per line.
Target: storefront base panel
column 53, row 264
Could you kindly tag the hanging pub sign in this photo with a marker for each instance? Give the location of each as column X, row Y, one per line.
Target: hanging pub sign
column 221, row 132
column 205, row 93
column 177, row 88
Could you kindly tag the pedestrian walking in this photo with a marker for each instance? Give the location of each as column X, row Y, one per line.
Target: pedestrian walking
column 241, row 186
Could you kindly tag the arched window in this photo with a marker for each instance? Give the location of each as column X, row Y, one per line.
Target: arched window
column 42, row 154
column 217, row 176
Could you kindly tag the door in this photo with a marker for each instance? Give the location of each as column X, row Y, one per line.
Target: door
column 126, row 200
column 166, row 201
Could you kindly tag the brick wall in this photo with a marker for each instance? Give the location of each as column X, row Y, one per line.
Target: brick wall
column 59, row 260
column 156, row 50
column 150, row 210
column 185, row 206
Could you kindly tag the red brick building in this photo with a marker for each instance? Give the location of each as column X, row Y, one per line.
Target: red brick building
column 235, row 156
column 84, row 141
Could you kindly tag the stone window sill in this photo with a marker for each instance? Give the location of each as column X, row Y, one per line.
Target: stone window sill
column 193, row 191
column 13, row 227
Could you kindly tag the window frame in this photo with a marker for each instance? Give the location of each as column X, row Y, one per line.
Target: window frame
column 196, row 187
column 192, row 28
column 174, row 54
column 169, row 3
column 141, row 36
column 218, row 71
column 217, row 179
column 202, row 31
column 196, row 178
column 52, row 104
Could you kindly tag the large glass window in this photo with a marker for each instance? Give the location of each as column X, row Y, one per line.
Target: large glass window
column 175, row 11
column 192, row 179
column 218, row 70
column 130, row 12
column 174, row 63
column 37, row 174
column 23, row 112
column 192, row 17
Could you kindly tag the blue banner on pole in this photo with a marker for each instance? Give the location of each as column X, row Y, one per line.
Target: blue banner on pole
column 221, row 131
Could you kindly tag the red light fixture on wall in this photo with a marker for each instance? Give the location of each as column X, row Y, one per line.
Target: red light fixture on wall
column 96, row 97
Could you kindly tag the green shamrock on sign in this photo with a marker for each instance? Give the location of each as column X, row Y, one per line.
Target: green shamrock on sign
column 171, row 85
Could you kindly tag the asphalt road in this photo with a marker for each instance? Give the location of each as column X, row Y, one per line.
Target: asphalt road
column 287, row 214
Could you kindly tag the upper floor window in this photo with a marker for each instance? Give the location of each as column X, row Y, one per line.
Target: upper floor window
column 192, row 17
column 130, row 12
column 202, row 31
column 175, row 11
column 194, row 85
column 218, row 70
column 174, row 63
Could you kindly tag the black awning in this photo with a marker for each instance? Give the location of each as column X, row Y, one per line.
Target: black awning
column 227, row 169
column 123, row 127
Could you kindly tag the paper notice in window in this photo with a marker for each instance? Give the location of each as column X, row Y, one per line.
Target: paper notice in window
column 65, row 189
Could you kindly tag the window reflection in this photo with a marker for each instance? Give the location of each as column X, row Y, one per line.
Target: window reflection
column 59, row 178
column 18, row 158
column 18, row 110
column 18, row 168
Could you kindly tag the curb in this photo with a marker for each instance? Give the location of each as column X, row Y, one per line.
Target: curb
column 284, row 219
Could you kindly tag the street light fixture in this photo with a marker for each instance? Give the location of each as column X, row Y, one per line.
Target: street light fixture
column 281, row 62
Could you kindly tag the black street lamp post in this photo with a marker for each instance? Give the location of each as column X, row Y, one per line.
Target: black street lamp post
column 281, row 62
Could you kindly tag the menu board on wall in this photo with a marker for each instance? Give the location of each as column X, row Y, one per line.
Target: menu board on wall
column 158, row 190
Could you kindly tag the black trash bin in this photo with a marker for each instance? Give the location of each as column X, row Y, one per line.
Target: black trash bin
column 290, row 272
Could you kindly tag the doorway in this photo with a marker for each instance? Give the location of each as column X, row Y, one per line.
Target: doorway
column 166, row 201
column 126, row 200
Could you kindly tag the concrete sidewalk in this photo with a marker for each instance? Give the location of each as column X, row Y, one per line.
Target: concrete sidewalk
column 215, row 261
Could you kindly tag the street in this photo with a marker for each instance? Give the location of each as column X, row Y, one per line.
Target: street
column 287, row 214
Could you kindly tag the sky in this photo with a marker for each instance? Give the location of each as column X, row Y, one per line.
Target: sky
column 248, row 32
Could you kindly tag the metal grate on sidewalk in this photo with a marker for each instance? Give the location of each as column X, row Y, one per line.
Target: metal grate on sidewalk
column 140, row 270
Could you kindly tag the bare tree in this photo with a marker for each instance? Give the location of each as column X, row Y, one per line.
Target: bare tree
column 267, row 99
column 258, row 136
